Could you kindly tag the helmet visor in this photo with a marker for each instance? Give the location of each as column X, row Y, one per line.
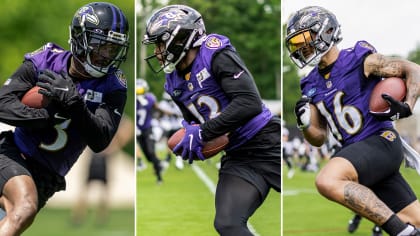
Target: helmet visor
column 298, row 41
column 301, row 48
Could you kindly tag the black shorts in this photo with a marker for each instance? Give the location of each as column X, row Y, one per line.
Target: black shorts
column 377, row 161
column 98, row 168
column 12, row 164
column 258, row 161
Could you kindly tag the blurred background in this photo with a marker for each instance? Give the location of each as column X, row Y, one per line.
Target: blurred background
column 26, row 26
column 252, row 26
column 183, row 203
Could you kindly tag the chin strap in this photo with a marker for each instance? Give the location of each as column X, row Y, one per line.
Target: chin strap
column 92, row 71
column 76, row 69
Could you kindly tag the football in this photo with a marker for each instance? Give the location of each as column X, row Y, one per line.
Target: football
column 210, row 148
column 393, row 86
column 34, row 99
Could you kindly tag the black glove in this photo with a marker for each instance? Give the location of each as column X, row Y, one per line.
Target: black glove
column 303, row 112
column 59, row 88
column 397, row 109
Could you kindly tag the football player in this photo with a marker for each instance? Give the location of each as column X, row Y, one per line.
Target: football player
column 212, row 86
column 170, row 121
column 87, row 94
column 146, row 105
column 364, row 174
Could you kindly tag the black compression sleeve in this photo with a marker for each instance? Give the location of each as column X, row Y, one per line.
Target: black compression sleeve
column 12, row 111
column 239, row 86
column 99, row 128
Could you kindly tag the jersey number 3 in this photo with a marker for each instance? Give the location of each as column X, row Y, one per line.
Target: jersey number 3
column 61, row 139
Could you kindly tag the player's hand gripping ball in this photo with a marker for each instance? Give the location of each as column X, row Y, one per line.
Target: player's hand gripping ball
column 394, row 87
column 387, row 100
column 34, row 99
column 210, row 148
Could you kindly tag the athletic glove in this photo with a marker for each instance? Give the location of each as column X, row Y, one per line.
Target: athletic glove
column 58, row 87
column 397, row 110
column 192, row 143
column 303, row 112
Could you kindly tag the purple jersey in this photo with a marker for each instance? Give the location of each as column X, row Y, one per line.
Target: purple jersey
column 59, row 146
column 201, row 94
column 144, row 109
column 343, row 98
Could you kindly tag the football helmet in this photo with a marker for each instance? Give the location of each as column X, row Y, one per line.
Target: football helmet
column 174, row 30
column 141, row 86
column 310, row 33
column 99, row 38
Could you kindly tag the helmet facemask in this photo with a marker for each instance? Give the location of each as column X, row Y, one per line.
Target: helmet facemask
column 174, row 30
column 176, row 46
column 311, row 36
column 99, row 38
column 301, row 49
column 99, row 53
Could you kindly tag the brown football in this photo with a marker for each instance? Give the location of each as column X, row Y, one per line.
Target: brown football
column 393, row 86
column 34, row 99
column 210, row 148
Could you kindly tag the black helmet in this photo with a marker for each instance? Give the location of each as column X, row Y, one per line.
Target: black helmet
column 179, row 28
column 99, row 37
column 310, row 33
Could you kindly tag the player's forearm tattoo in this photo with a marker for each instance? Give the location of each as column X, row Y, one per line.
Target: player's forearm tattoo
column 382, row 66
column 363, row 201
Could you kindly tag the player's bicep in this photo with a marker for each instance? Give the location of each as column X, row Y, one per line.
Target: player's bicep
column 382, row 66
column 24, row 78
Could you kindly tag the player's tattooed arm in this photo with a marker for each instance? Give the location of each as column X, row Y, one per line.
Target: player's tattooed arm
column 363, row 201
column 382, row 66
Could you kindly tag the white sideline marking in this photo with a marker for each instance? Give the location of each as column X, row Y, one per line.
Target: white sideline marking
column 293, row 192
column 212, row 187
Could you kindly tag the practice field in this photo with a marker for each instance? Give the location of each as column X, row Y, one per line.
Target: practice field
column 54, row 221
column 184, row 203
column 307, row 213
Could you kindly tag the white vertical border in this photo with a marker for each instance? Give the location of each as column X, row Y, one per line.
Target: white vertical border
column 135, row 9
column 282, row 115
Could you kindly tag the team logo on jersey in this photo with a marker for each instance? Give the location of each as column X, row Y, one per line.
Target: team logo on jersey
column 213, row 43
column 202, row 75
column 328, row 84
column 311, row 92
column 177, row 92
column 87, row 14
column 121, row 78
column 389, row 135
column 190, row 86
column 93, row 96
column 367, row 45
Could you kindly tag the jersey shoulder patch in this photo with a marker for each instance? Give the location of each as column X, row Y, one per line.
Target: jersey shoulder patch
column 212, row 42
column 121, row 78
column 366, row 45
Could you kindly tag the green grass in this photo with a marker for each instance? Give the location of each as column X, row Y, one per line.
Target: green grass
column 183, row 205
column 53, row 222
column 308, row 213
